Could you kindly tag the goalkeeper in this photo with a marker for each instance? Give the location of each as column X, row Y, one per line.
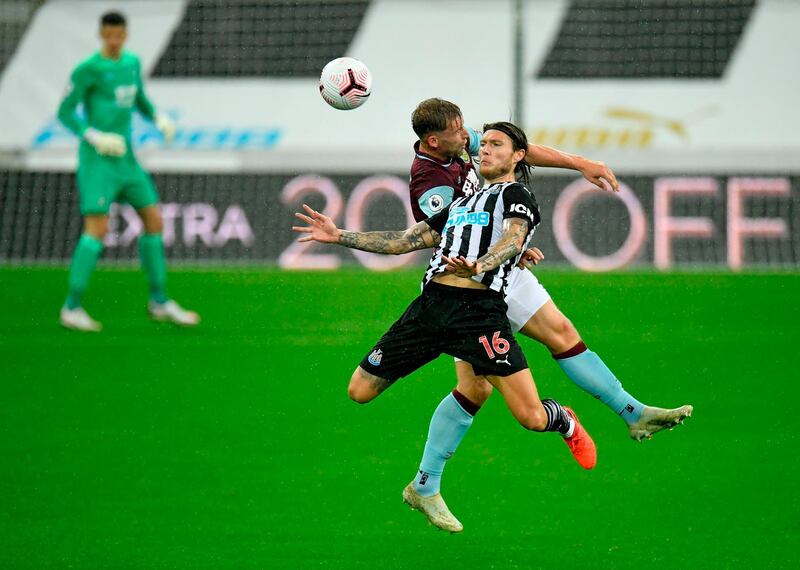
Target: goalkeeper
column 109, row 85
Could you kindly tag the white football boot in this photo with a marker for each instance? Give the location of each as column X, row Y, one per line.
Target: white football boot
column 79, row 320
column 432, row 507
column 172, row 312
column 654, row 420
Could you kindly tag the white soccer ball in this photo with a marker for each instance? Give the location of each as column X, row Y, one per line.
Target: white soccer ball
column 345, row 83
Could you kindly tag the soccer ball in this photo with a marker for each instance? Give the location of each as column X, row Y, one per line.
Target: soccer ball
column 345, row 83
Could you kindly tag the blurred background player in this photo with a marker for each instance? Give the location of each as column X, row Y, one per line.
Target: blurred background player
column 438, row 176
column 109, row 85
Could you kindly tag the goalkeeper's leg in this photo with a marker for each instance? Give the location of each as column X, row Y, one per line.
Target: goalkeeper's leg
column 154, row 264
column 84, row 260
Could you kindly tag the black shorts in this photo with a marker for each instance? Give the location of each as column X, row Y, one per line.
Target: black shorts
column 470, row 324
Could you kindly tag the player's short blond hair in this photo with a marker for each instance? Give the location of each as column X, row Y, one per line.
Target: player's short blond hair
column 433, row 115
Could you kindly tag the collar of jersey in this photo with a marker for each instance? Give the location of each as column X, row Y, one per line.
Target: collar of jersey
column 425, row 156
column 104, row 58
column 486, row 186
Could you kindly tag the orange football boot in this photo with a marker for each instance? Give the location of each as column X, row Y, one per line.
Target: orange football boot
column 581, row 444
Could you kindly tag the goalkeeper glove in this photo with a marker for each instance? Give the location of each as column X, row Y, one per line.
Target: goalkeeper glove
column 167, row 128
column 107, row 144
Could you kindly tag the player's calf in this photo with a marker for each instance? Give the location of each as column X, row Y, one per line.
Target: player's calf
column 534, row 418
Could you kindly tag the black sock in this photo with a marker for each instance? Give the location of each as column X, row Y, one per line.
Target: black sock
column 557, row 417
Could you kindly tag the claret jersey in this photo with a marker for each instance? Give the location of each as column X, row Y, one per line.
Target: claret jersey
column 435, row 184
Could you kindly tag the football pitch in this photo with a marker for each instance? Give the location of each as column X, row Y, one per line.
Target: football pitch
column 234, row 445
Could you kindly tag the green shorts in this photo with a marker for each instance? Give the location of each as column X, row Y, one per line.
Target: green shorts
column 103, row 180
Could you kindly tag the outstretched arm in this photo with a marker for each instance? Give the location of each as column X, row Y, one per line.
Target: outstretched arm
column 509, row 245
column 322, row 229
column 595, row 172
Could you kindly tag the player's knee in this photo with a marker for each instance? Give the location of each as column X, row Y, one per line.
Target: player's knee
column 155, row 227
column 358, row 395
column 481, row 392
column 152, row 221
column 96, row 226
column 98, row 234
column 562, row 335
column 360, row 391
column 568, row 331
column 534, row 419
column 476, row 389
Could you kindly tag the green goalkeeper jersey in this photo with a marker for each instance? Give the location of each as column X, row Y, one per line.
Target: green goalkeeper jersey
column 110, row 90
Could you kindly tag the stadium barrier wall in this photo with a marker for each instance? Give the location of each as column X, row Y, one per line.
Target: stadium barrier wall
column 668, row 222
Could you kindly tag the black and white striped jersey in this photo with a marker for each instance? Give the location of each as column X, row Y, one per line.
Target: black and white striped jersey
column 473, row 224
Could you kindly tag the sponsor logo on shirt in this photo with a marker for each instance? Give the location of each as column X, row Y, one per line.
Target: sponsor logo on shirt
column 436, row 202
column 524, row 210
column 125, row 95
column 463, row 217
column 436, row 199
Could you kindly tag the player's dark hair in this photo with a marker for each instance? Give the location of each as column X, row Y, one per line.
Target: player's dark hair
column 433, row 115
column 112, row 19
column 519, row 141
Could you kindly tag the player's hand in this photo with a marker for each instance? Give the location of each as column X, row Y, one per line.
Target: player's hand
column 320, row 227
column 166, row 127
column 107, row 144
column 530, row 257
column 461, row 266
column 599, row 174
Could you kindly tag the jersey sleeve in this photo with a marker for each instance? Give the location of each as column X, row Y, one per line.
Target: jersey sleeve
column 518, row 202
column 143, row 103
column 79, row 83
column 431, row 193
column 474, row 143
column 438, row 221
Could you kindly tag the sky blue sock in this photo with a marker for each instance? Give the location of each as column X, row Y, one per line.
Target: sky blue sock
column 589, row 372
column 449, row 425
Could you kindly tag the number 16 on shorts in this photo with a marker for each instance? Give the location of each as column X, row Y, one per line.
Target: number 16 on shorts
column 499, row 345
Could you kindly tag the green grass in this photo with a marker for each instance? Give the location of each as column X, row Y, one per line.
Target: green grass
column 234, row 445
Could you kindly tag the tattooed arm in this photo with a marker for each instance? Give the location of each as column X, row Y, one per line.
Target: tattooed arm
column 322, row 229
column 418, row 236
column 509, row 245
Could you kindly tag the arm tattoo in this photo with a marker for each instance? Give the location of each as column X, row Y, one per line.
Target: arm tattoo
column 419, row 236
column 509, row 244
column 375, row 242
